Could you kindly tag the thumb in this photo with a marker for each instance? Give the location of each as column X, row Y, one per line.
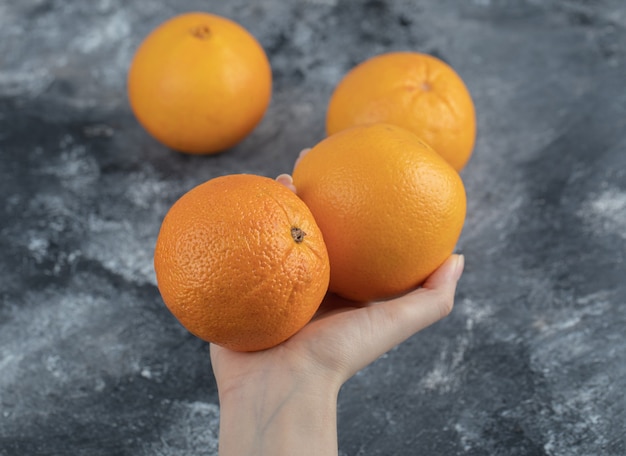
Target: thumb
column 434, row 299
column 388, row 323
column 442, row 284
column 448, row 273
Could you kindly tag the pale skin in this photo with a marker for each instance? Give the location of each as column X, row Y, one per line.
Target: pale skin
column 283, row 401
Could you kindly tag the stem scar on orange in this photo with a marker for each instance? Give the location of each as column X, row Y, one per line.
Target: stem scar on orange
column 390, row 208
column 241, row 263
column 415, row 91
column 199, row 83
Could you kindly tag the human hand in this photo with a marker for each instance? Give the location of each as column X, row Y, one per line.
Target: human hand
column 344, row 336
column 283, row 400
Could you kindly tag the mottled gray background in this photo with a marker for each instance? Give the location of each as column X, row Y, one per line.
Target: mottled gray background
column 531, row 362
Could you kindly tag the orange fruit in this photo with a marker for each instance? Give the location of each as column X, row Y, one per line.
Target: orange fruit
column 391, row 209
column 240, row 262
column 199, row 83
column 416, row 91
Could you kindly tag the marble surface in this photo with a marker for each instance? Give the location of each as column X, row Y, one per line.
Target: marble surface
column 532, row 360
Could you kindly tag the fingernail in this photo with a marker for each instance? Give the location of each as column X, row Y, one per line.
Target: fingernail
column 459, row 265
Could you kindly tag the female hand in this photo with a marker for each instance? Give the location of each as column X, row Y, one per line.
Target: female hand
column 282, row 401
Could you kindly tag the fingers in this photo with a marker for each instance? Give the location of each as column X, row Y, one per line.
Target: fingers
column 385, row 325
column 287, row 181
column 302, row 153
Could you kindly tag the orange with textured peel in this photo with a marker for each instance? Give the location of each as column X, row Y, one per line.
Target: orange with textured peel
column 390, row 208
column 240, row 262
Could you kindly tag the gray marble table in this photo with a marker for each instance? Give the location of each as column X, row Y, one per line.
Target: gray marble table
column 532, row 361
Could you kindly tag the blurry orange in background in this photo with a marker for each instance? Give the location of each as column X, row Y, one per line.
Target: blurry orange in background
column 415, row 91
column 199, row 83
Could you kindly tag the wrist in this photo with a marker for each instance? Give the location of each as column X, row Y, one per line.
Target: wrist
column 281, row 415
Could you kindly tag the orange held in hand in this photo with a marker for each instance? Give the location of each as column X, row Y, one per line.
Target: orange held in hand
column 416, row 91
column 199, row 83
column 240, row 262
column 390, row 208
